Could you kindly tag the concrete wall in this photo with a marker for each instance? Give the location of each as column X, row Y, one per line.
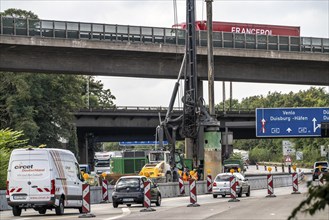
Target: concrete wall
column 172, row 189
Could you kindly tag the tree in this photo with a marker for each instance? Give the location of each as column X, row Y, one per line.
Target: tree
column 9, row 140
column 19, row 13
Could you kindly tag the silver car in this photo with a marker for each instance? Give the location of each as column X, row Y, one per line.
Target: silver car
column 221, row 185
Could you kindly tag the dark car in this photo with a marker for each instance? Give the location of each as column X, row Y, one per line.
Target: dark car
column 316, row 172
column 130, row 190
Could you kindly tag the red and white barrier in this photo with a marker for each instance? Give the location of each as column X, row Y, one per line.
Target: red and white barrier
column 233, row 184
column 193, row 196
column 147, row 194
column 147, row 198
column 270, row 188
column 181, row 186
column 295, row 183
column 209, row 184
column 85, row 198
column 321, row 178
column 105, row 194
column 86, row 202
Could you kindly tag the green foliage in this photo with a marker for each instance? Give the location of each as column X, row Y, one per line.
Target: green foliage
column 99, row 98
column 317, row 199
column 9, row 140
column 236, row 156
column 18, row 13
column 41, row 105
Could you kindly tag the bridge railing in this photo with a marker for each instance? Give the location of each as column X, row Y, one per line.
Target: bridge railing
column 163, row 109
column 156, row 35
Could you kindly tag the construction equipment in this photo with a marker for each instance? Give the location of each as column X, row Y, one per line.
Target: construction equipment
column 158, row 168
column 195, row 115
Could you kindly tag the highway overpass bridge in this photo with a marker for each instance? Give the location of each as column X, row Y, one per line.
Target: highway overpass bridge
column 151, row 52
column 139, row 123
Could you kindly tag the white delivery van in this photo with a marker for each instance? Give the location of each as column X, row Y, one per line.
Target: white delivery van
column 43, row 178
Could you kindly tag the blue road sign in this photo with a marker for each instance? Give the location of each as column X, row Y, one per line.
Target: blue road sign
column 139, row 143
column 290, row 122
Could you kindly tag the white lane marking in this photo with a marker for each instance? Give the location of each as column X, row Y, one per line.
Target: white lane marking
column 125, row 212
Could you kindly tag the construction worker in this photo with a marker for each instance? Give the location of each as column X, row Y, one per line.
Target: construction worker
column 185, row 174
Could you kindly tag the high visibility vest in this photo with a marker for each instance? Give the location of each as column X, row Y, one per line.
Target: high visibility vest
column 184, row 176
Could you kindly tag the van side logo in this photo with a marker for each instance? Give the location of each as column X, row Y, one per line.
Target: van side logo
column 23, row 166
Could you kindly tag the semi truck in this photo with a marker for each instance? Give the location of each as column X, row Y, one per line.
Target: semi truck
column 103, row 161
column 246, row 28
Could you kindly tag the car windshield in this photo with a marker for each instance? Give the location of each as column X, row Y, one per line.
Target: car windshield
column 128, row 182
column 324, row 169
column 223, row 178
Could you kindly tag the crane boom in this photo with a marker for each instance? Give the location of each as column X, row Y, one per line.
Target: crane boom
column 189, row 126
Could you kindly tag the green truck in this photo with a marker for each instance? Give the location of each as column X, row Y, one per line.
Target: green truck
column 234, row 164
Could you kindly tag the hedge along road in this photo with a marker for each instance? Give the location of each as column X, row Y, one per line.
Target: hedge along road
column 254, row 207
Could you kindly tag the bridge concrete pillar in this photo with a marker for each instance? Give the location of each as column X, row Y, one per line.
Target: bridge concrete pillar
column 189, row 142
column 83, row 150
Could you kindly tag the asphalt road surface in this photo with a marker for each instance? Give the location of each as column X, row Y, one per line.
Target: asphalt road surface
column 257, row 206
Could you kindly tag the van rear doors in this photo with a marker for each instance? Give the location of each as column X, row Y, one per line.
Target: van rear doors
column 29, row 177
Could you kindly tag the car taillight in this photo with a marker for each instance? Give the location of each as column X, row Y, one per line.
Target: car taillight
column 214, row 184
column 7, row 188
column 52, row 191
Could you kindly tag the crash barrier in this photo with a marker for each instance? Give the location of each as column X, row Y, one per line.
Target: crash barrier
column 209, row 184
column 270, row 187
column 295, row 183
column 181, row 186
column 257, row 181
column 105, row 190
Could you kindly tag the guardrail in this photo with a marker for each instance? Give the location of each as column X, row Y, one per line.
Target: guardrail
column 156, row 35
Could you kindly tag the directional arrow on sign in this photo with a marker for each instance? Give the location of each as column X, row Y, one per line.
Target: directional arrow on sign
column 289, row 130
column 315, row 127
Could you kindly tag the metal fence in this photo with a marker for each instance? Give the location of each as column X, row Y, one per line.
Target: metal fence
column 156, row 35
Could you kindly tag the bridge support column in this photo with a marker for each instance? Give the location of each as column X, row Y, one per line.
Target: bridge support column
column 212, row 151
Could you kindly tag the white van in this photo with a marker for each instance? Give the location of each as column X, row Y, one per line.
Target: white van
column 43, row 178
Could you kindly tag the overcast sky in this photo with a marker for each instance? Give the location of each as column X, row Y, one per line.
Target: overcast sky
column 312, row 16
